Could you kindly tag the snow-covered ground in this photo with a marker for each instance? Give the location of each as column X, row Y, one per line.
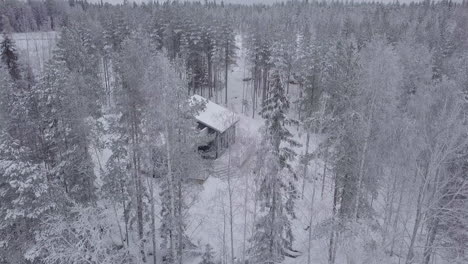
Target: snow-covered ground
column 35, row 48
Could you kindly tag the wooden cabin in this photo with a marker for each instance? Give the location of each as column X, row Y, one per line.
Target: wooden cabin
column 217, row 126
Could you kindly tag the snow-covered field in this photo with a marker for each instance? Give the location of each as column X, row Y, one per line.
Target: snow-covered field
column 35, row 48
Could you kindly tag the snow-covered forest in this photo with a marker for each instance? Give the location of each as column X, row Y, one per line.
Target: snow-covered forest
column 351, row 132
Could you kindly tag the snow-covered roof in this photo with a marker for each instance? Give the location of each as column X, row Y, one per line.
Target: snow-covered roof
column 214, row 115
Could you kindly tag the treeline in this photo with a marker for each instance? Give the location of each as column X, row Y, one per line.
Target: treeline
column 202, row 34
column 202, row 40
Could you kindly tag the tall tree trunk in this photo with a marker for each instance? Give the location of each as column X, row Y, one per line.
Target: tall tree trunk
column 363, row 158
column 264, row 85
column 255, row 206
column 417, row 222
column 117, row 220
column 245, row 217
column 273, row 218
column 170, row 178
column 137, row 179
column 126, row 215
column 430, row 241
column 106, row 81
column 216, row 73
column 179, row 222
column 395, row 221
column 332, row 243
column 324, row 173
column 230, row 206
column 309, row 257
column 153, row 217
column 210, row 74
column 306, row 164
column 299, row 110
column 254, row 92
column 224, row 259
column 389, row 210
column 226, row 62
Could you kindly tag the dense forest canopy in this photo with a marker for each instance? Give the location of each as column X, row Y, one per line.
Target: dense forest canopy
column 362, row 155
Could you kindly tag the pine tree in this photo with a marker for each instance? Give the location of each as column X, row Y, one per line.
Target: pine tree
column 192, row 52
column 259, row 55
column 228, row 43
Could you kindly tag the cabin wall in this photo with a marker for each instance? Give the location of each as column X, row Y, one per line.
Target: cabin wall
column 221, row 141
column 225, row 140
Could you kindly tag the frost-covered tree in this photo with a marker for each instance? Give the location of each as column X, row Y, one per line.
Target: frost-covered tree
column 283, row 55
column 131, row 68
column 116, row 183
column 64, row 131
column 380, row 82
column 440, row 112
column 8, row 53
column 208, row 255
column 78, row 48
column 83, row 235
column 26, row 194
column 228, row 44
column 258, row 45
column 272, row 238
column 274, row 111
column 173, row 123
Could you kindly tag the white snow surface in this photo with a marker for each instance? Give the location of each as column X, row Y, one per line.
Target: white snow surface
column 35, row 48
column 214, row 115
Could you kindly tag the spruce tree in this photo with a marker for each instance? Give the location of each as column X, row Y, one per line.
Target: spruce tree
column 208, row 255
column 25, row 185
column 9, row 56
column 77, row 48
column 274, row 111
column 272, row 238
column 8, row 52
column 64, row 132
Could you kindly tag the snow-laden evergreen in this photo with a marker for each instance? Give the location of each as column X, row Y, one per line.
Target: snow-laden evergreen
column 360, row 158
